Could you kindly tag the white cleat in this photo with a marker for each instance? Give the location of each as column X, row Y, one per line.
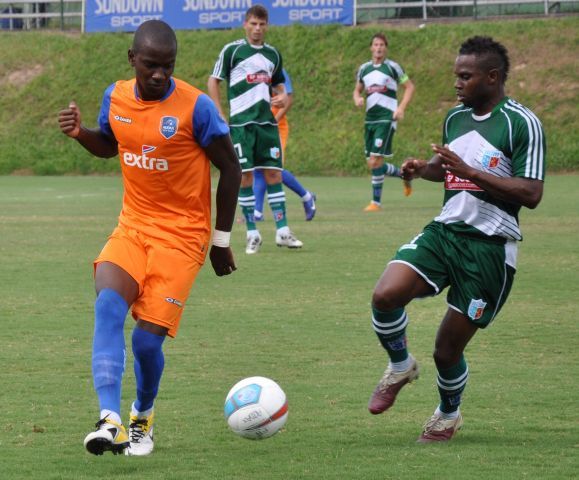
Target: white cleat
column 253, row 244
column 140, row 435
column 288, row 240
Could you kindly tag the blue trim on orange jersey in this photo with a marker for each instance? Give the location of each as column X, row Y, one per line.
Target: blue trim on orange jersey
column 103, row 118
column 207, row 123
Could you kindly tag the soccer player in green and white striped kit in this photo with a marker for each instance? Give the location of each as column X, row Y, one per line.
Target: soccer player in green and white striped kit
column 380, row 79
column 252, row 69
column 492, row 162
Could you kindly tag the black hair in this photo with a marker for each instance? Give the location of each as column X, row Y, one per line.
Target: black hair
column 154, row 32
column 494, row 54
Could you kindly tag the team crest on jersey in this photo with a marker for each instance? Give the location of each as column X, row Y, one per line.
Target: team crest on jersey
column 274, row 152
column 378, row 143
column 476, row 309
column 491, row 158
column 169, row 126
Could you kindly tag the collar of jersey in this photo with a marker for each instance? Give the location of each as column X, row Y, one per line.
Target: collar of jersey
column 169, row 92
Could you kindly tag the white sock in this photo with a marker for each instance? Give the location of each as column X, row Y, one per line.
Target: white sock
column 402, row 366
column 446, row 416
column 114, row 416
column 283, row 230
column 252, row 233
column 307, row 197
column 144, row 414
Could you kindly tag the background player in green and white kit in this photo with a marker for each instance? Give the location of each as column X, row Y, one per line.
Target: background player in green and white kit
column 252, row 69
column 380, row 79
column 492, row 163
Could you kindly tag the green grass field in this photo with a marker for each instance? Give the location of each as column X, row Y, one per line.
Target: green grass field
column 302, row 318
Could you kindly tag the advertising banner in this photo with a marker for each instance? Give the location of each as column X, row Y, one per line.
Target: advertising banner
column 127, row 15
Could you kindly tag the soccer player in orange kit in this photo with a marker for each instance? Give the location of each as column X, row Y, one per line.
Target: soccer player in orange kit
column 166, row 132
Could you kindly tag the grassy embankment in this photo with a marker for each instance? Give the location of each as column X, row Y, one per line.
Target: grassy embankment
column 41, row 72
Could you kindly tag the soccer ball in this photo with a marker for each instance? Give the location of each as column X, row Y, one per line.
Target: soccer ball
column 256, row 408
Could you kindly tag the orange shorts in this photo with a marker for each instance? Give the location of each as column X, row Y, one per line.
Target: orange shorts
column 165, row 275
column 283, row 127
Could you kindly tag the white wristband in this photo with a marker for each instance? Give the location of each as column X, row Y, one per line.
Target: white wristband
column 221, row 239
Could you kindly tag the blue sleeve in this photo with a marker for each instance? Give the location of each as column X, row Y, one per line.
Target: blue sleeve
column 289, row 89
column 207, row 123
column 103, row 118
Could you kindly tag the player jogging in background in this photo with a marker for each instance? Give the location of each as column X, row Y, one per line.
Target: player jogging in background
column 380, row 79
column 166, row 133
column 492, row 163
column 253, row 71
column 289, row 180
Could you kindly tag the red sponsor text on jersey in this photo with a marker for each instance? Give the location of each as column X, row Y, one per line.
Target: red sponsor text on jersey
column 376, row 89
column 260, row 77
column 452, row 182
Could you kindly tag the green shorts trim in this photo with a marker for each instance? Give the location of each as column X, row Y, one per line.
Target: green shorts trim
column 378, row 138
column 257, row 146
column 479, row 272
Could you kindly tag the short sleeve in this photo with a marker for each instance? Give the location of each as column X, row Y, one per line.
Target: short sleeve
column 103, row 118
column 207, row 123
column 289, row 88
column 529, row 147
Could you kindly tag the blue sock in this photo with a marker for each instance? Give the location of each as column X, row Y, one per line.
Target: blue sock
column 108, row 350
column 259, row 188
column 149, row 364
column 292, row 183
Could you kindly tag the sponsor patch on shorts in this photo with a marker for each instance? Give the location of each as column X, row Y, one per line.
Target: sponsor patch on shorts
column 174, row 301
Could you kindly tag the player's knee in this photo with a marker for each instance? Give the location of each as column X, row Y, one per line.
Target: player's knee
column 445, row 356
column 385, row 299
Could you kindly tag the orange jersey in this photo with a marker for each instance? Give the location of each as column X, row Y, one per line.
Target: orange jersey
column 166, row 173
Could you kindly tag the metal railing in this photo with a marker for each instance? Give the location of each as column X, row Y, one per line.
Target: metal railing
column 58, row 13
column 28, row 15
column 432, row 9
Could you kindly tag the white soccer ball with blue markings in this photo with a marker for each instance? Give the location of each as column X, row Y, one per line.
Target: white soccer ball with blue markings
column 256, row 408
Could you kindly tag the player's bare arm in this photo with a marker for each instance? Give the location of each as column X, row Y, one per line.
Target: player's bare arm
column 222, row 154
column 357, row 95
column 213, row 88
column 94, row 140
column 428, row 170
column 518, row 190
column 280, row 98
column 409, row 89
column 282, row 111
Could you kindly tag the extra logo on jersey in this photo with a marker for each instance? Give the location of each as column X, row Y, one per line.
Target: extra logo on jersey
column 476, row 309
column 145, row 162
column 274, row 152
column 491, row 158
column 169, row 126
column 259, row 77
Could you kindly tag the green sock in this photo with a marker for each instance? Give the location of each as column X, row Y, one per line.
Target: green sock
column 451, row 383
column 390, row 327
column 246, row 200
column 276, row 200
column 377, row 182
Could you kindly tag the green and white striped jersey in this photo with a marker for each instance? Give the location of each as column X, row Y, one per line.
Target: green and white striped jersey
column 250, row 72
column 507, row 142
column 381, row 85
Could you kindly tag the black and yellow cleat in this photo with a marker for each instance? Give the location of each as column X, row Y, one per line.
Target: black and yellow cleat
column 109, row 436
